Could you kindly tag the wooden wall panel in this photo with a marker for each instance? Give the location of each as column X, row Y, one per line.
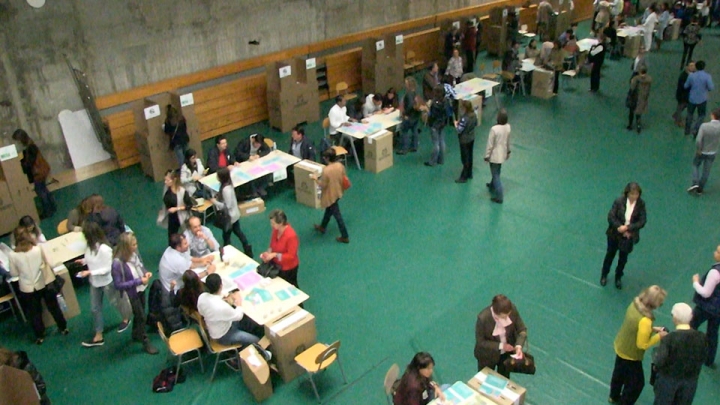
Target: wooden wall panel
column 425, row 45
column 345, row 67
column 122, row 133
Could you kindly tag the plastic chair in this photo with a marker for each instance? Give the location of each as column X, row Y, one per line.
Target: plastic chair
column 495, row 71
column 270, row 143
column 62, row 227
column 318, row 358
column 509, row 81
column 390, row 377
column 341, row 89
column 214, row 347
column 182, row 342
column 568, row 75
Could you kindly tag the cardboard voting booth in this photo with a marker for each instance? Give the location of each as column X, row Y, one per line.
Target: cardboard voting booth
column 17, row 195
column 497, row 388
column 542, row 83
column 17, row 387
column 497, row 31
column 383, row 64
column 291, row 335
column 153, row 144
column 379, row 151
column 292, row 93
column 307, row 191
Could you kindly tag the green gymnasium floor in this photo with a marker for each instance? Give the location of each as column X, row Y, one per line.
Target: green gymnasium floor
column 426, row 255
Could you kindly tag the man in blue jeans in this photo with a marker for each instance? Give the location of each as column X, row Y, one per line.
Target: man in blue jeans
column 411, row 112
column 707, row 142
column 699, row 84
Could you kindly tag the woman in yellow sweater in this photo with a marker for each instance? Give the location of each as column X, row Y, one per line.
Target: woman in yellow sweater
column 634, row 338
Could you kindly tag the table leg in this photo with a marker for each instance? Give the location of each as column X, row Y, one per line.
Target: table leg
column 352, row 145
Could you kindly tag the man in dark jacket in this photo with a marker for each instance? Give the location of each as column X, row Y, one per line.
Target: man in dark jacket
column 300, row 146
column 219, row 156
column 682, row 94
column 252, row 148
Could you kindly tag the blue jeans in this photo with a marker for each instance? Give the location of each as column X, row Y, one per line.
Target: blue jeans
column 495, row 183
column 334, row 211
column 701, row 108
column 236, row 335
column 409, row 131
column 713, row 324
column 438, row 142
column 96, row 303
column 179, row 151
column 46, row 199
column 706, row 161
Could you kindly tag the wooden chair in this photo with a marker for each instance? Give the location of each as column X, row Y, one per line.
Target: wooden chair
column 10, row 298
column 62, row 227
column 390, row 377
column 182, row 342
column 340, row 152
column 204, row 210
column 318, row 358
column 216, row 348
column 341, row 89
column 270, row 143
column 495, row 74
column 509, row 82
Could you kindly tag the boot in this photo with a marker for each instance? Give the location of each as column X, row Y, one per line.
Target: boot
column 248, row 250
column 149, row 348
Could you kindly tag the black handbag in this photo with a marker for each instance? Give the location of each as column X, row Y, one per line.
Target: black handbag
column 526, row 365
column 269, row 269
column 56, row 286
column 222, row 216
column 632, row 98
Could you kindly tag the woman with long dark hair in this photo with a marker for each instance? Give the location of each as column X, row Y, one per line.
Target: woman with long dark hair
column 37, row 170
column 176, row 128
column 177, row 202
column 228, row 199
column 190, row 174
column 416, row 386
column 187, row 296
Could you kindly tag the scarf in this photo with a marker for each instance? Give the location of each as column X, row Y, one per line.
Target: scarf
column 500, row 325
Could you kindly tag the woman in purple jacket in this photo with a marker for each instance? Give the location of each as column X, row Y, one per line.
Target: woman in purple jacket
column 130, row 276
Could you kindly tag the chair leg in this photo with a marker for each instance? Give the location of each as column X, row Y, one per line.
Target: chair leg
column 342, row 371
column 312, row 382
column 202, row 367
column 217, row 359
column 177, row 370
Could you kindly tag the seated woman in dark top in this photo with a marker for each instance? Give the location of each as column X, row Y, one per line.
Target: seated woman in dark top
column 390, row 99
column 187, row 296
column 416, row 387
column 107, row 217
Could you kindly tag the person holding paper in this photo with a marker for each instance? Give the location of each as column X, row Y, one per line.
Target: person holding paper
column 248, row 150
column 226, row 322
column 190, row 174
column 499, row 333
column 284, row 244
column 416, row 386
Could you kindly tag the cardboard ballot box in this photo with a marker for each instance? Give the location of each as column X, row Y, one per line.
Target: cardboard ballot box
column 17, row 195
column 256, row 373
column 632, row 46
column 251, row 207
column 497, row 388
column 476, row 102
column 307, row 191
column 71, row 308
column 292, row 93
column 290, row 336
column 542, row 83
column 379, row 151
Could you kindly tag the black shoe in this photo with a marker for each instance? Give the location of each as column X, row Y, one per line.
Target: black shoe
column 342, row 240
column 401, row 152
column 693, row 188
column 413, row 150
column 629, row 128
column 265, row 353
column 489, row 186
column 123, row 326
column 603, row 281
column 639, row 129
column 428, row 164
column 248, row 251
column 496, row 200
column 39, row 341
column 699, row 191
column 711, row 366
column 320, row 229
column 93, row 343
column 618, row 284
column 460, row 180
column 65, row 332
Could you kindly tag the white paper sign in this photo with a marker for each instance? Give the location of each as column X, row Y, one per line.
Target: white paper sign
column 152, row 112
column 186, row 100
column 8, row 152
column 398, row 39
column 505, row 13
column 285, row 71
column 456, row 25
column 310, row 63
column 474, row 21
column 380, row 45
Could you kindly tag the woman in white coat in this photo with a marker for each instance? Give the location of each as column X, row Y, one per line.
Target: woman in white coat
column 497, row 152
column 649, row 26
column 98, row 258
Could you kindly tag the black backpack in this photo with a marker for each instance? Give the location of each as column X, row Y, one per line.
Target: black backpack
column 166, row 380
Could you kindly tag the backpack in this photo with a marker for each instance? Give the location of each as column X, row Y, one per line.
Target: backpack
column 166, row 380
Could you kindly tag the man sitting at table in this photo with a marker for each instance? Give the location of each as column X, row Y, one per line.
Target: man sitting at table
column 300, row 146
column 201, row 240
column 219, row 156
column 226, row 322
column 373, row 105
column 338, row 117
column 177, row 259
column 565, row 36
column 511, row 62
column 253, row 148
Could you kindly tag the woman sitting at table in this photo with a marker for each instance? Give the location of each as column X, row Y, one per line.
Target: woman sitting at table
column 28, row 224
column 190, row 174
column 284, row 244
column 187, row 296
column 499, row 333
column 107, row 217
column 531, row 51
column 416, row 387
column 390, row 99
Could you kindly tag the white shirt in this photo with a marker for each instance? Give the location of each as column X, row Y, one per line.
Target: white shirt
column 218, row 314
column 27, row 267
column 369, row 108
column 172, row 266
column 99, row 263
column 712, row 280
column 629, row 208
column 186, row 176
column 198, row 246
column 617, row 7
column 338, row 116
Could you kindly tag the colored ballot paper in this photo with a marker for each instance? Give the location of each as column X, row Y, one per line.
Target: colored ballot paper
column 247, row 280
column 282, row 295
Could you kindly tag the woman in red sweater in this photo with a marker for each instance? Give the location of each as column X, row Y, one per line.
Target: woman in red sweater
column 284, row 245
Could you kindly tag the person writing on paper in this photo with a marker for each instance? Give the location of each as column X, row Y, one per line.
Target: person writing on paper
column 219, row 156
column 390, row 100
column 131, row 277
column 107, row 217
column 284, row 244
column 200, row 238
column 226, row 322
column 338, row 116
column 187, row 296
column 176, row 259
column 28, row 224
column 499, row 333
column 248, row 150
column 416, row 386
column 373, row 105
column 26, row 263
column 190, row 174
column 98, row 258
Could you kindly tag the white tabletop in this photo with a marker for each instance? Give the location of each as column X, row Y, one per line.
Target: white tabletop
column 528, row 65
column 373, row 124
column 64, row 248
column 473, row 86
column 251, row 170
column 586, row 44
column 630, row 31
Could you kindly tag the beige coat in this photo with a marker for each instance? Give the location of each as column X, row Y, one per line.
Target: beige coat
column 498, row 144
column 642, row 83
column 27, row 266
column 331, row 183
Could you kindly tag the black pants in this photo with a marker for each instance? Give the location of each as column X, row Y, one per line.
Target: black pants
column 557, row 81
column 173, row 224
column 713, row 325
column 628, row 381
column 235, row 228
column 687, row 54
column 470, row 58
column 631, row 115
column 334, row 211
column 33, row 305
column 46, row 199
column 139, row 318
column 674, row 391
column 290, row 276
column 466, row 157
column 499, row 367
column 595, row 77
column 613, row 245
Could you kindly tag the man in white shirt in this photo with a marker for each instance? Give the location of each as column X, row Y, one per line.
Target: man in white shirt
column 225, row 320
column 177, row 259
column 617, row 8
column 338, row 115
column 200, row 238
column 373, row 105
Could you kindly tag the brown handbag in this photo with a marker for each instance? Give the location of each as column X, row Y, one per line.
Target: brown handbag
column 526, row 365
column 41, row 168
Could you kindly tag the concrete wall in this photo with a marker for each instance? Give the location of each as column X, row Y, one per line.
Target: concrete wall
column 121, row 44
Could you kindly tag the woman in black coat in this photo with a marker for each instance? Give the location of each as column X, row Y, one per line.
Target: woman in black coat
column 625, row 219
column 500, row 332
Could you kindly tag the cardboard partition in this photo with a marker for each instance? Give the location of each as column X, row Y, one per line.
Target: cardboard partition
column 379, row 151
column 291, row 335
column 185, row 103
column 292, row 93
column 68, row 294
column 383, row 64
column 256, row 373
column 252, row 207
column 476, row 102
column 632, row 46
column 674, row 28
column 17, row 387
column 17, row 195
column 510, row 394
column 559, row 23
column 497, row 31
column 307, row 191
column 542, row 83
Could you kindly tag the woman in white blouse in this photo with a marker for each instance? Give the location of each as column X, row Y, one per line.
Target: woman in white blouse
column 625, row 219
column 190, row 174
column 455, row 65
column 28, row 223
column 98, row 258
column 26, row 263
